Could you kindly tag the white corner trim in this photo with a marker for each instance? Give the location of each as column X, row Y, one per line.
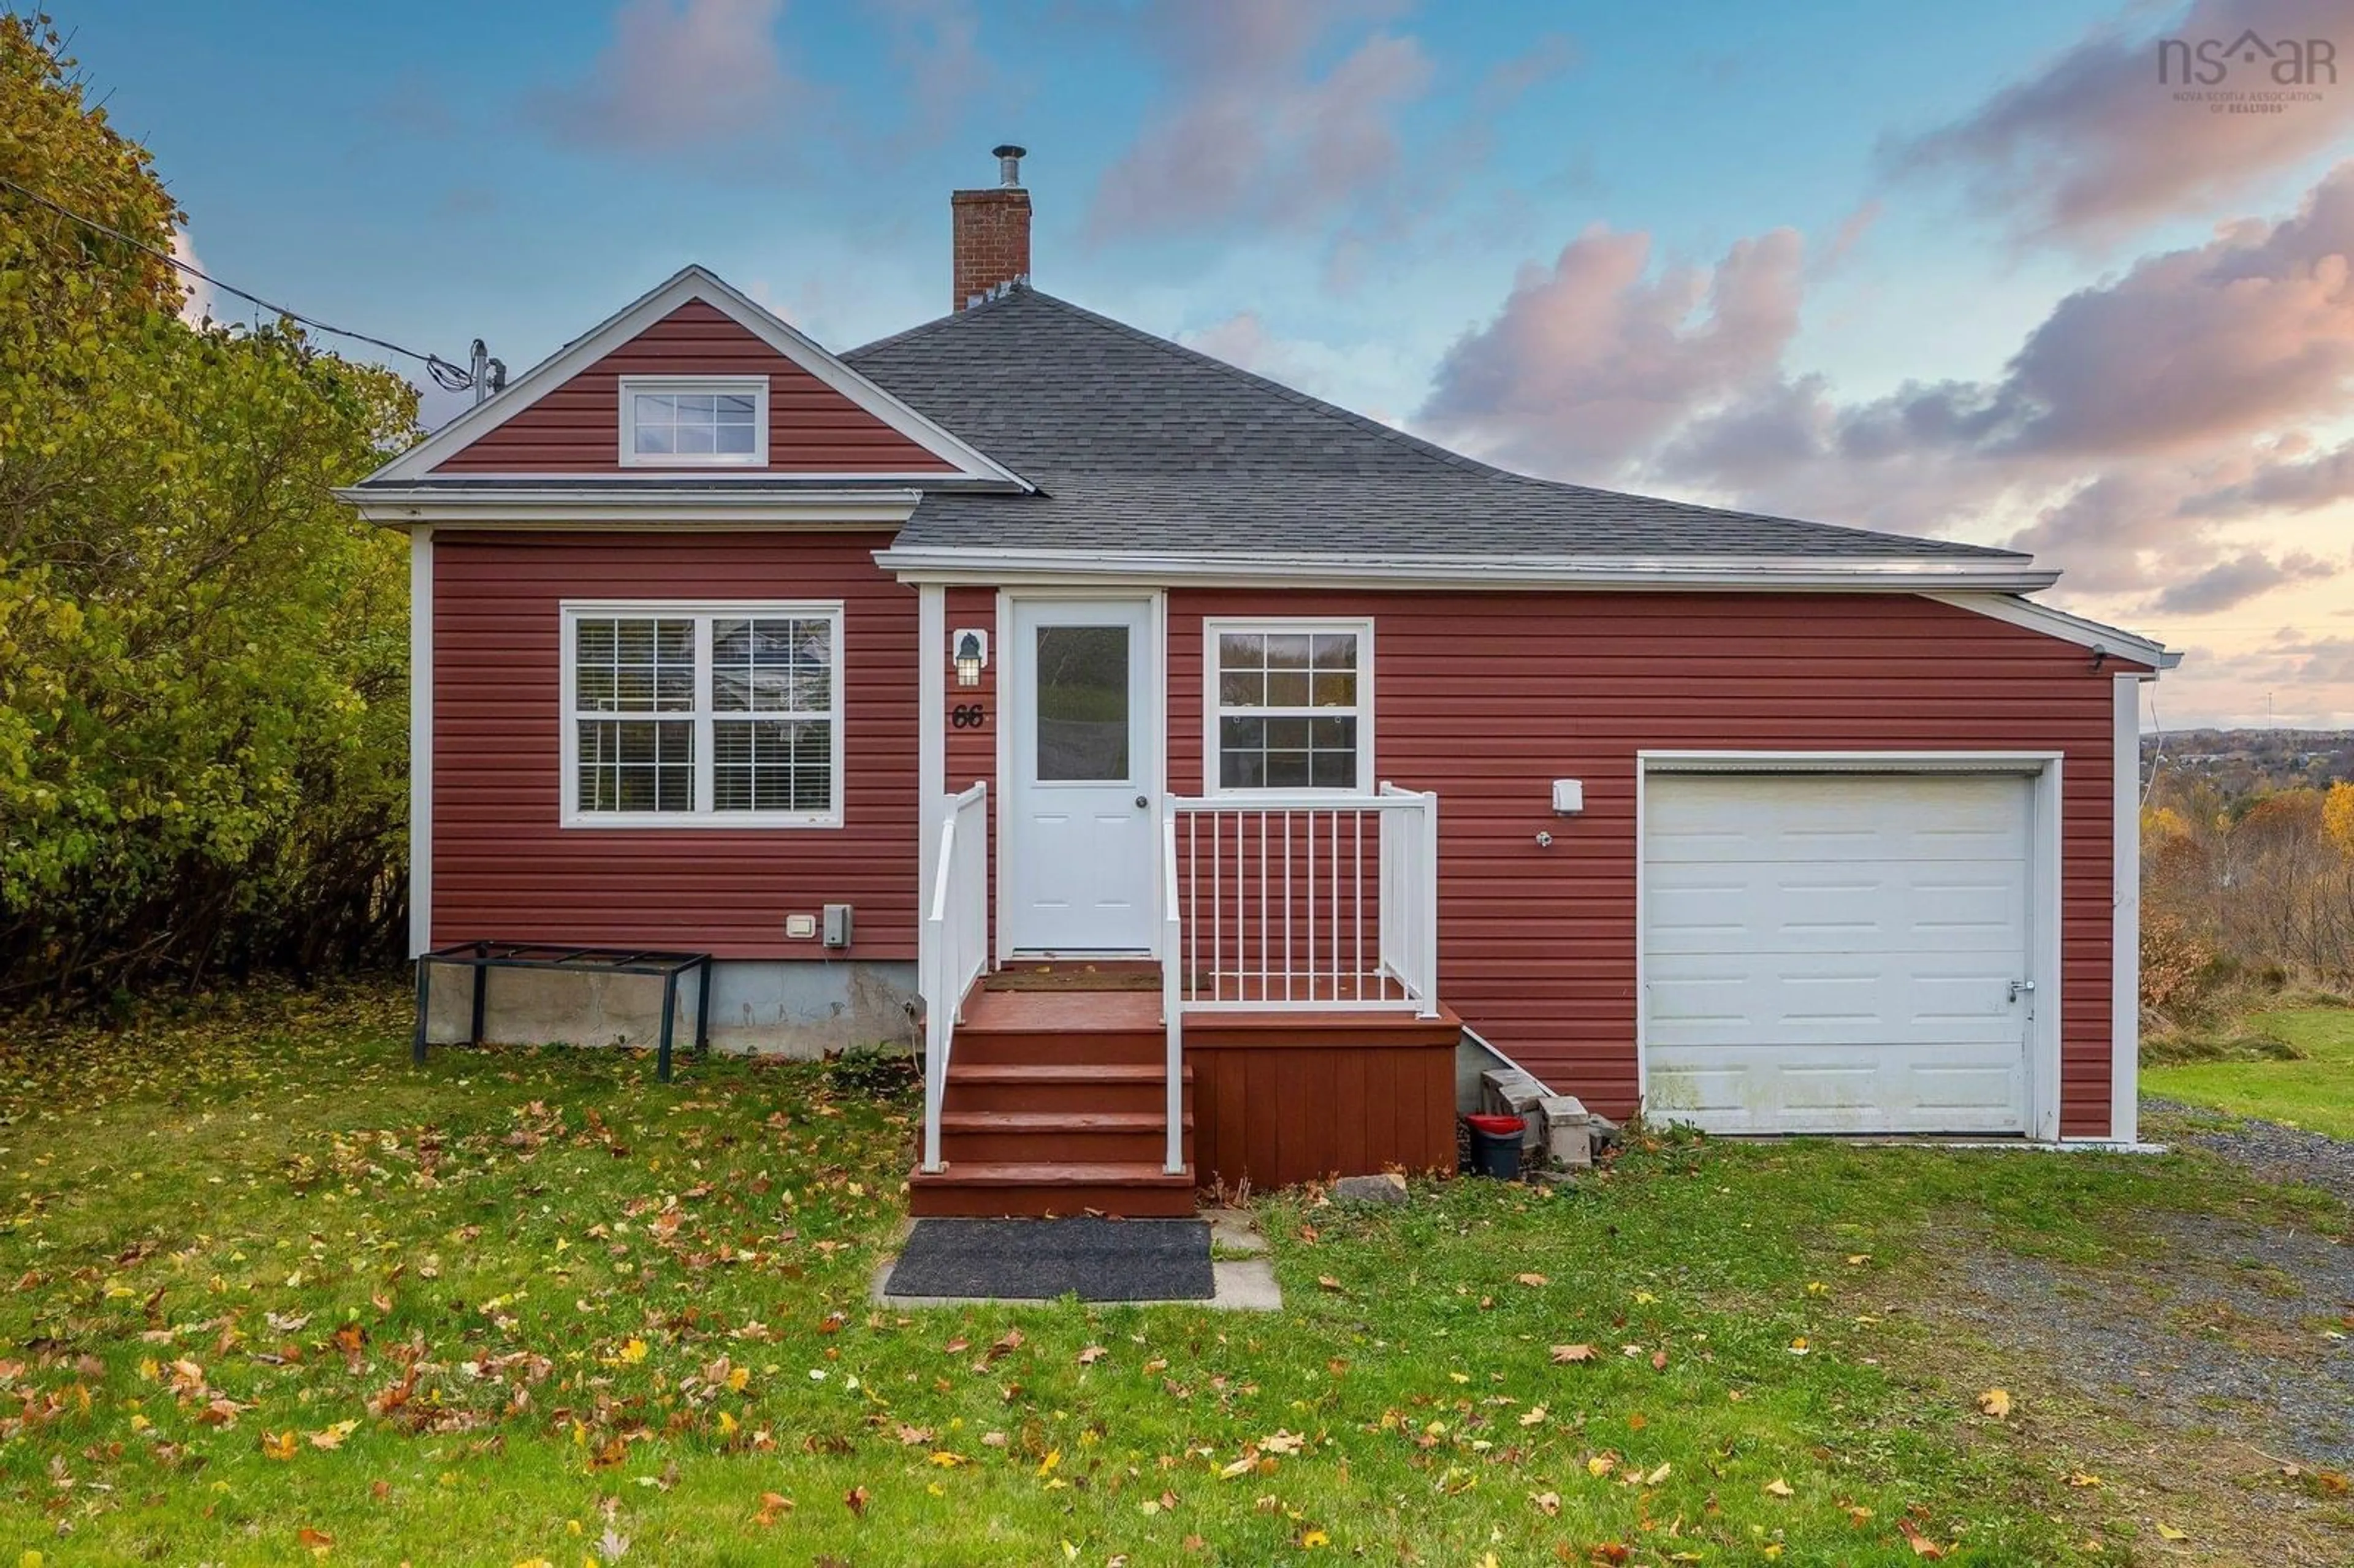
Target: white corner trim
column 2046, row 910
column 625, row 417
column 931, row 755
column 2125, row 931
column 420, row 741
column 2059, row 623
column 1246, row 568
column 692, row 283
column 1213, row 709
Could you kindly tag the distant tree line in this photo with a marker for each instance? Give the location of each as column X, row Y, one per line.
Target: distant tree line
column 203, row 656
column 2243, row 894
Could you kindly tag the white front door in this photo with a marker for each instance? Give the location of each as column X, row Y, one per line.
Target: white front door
column 1077, row 873
column 1836, row 952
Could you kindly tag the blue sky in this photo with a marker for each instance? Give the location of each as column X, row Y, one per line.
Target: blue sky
column 1816, row 222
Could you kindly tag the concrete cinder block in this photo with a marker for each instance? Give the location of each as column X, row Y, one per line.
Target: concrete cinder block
column 1512, row 1092
column 1570, row 1145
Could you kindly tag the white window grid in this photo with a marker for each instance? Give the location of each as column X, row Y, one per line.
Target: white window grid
column 1214, row 709
column 704, row 717
column 755, row 388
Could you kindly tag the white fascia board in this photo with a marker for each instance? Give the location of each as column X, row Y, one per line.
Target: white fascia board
column 559, row 506
column 692, row 283
column 1769, row 573
column 2009, row 606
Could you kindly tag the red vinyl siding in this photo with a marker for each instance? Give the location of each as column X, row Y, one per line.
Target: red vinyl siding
column 577, row 427
column 502, row 865
column 1487, row 698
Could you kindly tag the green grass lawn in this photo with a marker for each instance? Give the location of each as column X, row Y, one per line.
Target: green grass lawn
column 268, row 1294
column 2317, row 1092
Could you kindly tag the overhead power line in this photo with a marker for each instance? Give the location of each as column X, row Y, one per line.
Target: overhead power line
column 447, row 376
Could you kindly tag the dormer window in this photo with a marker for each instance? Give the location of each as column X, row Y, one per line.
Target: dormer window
column 694, row 421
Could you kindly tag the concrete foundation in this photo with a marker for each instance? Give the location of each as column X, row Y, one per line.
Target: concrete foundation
column 800, row 1009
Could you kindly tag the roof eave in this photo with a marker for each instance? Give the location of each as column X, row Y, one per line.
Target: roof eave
column 1894, row 575
column 585, row 506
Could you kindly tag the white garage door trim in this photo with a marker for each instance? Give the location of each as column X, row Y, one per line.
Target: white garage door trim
column 2043, row 915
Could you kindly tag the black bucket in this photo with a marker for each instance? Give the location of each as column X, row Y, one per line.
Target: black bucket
column 1495, row 1151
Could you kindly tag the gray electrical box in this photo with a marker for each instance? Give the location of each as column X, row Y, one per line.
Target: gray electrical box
column 837, row 925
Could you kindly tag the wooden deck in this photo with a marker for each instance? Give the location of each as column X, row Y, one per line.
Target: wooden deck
column 1056, row 1100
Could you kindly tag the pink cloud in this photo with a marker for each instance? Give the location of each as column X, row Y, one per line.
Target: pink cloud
column 1257, row 130
column 2093, row 145
column 1592, row 360
column 2141, row 416
column 677, row 72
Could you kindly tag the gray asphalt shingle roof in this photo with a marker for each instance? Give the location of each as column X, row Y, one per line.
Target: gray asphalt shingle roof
column 1136, row 443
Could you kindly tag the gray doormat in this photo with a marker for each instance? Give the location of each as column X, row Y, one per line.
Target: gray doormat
column 1100, row 1260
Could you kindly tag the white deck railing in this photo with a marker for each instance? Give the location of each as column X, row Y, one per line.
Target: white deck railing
column 956, row 943
column 1172, row 1000
column 1297, row 901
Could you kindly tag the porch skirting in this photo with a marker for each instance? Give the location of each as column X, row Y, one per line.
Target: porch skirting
column 1286, row 1097
column 796, row 1008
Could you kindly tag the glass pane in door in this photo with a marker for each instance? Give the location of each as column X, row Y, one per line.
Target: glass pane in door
column 1082, row 704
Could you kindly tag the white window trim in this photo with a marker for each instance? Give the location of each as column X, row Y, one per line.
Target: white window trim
column 704, row 612
column 1212, row 628
column 730, row 386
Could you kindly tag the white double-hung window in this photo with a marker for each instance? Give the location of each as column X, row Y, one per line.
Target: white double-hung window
column 703, row 716
column 1289, row 704
column 694, row 421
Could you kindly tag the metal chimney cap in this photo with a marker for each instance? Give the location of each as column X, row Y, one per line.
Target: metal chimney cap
column 1009, row 163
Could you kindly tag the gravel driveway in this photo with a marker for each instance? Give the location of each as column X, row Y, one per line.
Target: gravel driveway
column 2275, row 1152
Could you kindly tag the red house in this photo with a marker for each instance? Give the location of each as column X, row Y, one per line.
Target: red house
column 1201, row 771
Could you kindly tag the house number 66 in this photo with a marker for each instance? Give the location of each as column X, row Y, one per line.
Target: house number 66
column 967, row 716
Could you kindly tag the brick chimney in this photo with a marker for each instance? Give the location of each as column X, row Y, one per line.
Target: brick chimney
column 990, row 231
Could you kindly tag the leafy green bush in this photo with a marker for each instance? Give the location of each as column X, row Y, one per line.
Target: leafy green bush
column 203, row 655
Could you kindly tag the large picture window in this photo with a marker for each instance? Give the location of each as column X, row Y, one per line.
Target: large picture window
column 1289, row 704
column 703, row 716
column 678, row 421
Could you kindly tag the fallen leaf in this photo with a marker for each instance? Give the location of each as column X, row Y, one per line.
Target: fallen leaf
column 1778, row 1487
column 1995, row 1403
column 1548, row 1503
column 1656, row 1477
column 318, row 1540
column 1533, row 1416
column 1091, row 1355
column 2081, row 1480
column 772, row 1504
column 2168, row 1532
column 333, row 1436
column 855, row 1499
column 281, row 1447
column 1921, row 1545
column 1565, row 1355
column 1531, row 1279
column 1327, row 1282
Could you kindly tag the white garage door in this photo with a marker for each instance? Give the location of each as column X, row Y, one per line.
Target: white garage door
column 1835, row 952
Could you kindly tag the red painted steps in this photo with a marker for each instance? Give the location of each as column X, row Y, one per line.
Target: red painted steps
column 1054, row 1105
column 992, row 1189
column 1061, row 1085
